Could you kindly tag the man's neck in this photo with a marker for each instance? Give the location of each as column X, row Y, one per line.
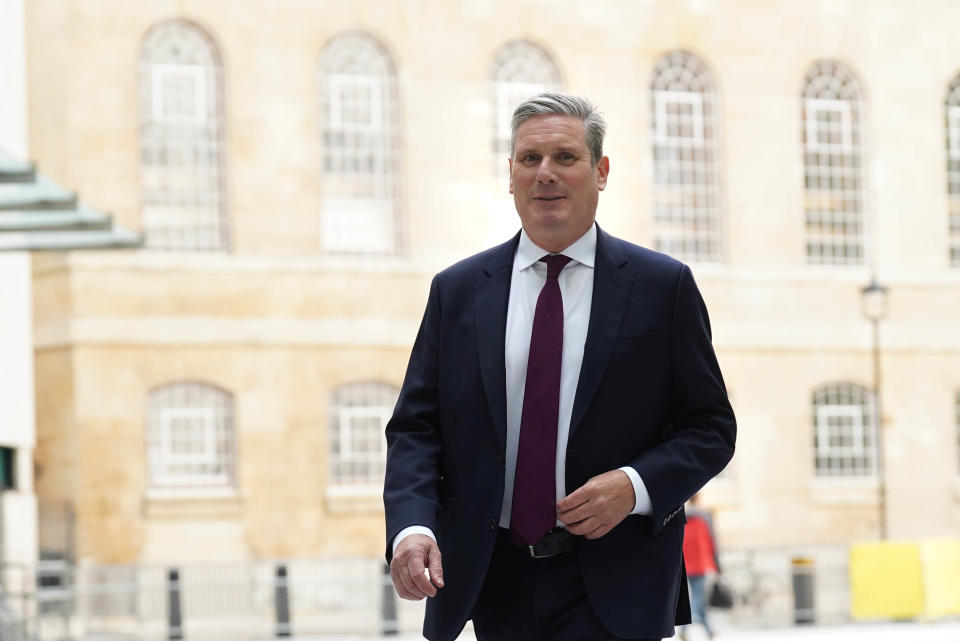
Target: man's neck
column 555, row 244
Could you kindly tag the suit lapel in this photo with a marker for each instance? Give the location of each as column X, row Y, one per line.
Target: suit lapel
column 610, row 288
column 491, row 296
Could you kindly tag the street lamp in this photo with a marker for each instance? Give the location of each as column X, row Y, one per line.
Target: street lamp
column 873, row 301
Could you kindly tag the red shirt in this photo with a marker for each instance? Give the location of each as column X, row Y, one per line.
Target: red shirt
column 698, row 550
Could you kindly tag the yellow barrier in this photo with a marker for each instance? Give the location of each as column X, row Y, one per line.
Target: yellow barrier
column 886, row 580
column 941, row 577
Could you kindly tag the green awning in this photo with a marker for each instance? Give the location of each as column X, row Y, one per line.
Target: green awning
column 38, row 214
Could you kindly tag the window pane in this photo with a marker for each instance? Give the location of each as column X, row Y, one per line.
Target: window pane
column 831, row 139
column 361, row 161
column 358, row 417
column 843, row 434
column 190, row 437
column 684, row 122
column 181, row 127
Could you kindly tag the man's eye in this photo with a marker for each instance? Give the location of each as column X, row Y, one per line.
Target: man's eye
column 566, row 157
column 530, row 158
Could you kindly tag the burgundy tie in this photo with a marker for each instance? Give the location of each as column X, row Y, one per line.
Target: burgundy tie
column 534, row 510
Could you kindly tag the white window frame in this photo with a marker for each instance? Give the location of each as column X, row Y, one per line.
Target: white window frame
column 211, row 409
column 687, row 190
column 352, row 402
column 170, row 458
column 662, row 100
column 842, row 107
column 360, row 205
column 374, row 84
column 836, row 224
column 160, row 73
column 183, row 196
column 860, row 430
column 346, row 416
column 825, row 431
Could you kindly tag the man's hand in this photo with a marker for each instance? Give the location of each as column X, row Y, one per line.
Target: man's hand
column 413, row 554
column 599, row 505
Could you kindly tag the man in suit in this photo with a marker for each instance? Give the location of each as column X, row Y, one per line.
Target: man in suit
column 561, row 403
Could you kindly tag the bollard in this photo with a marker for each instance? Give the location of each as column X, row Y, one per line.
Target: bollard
column 804, row 612
column 282, row 601
column 388, row 606
column 174, row 618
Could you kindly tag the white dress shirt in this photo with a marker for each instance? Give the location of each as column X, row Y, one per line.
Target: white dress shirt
column 576, row 288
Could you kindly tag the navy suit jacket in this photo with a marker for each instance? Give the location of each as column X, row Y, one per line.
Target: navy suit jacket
column 650, row 395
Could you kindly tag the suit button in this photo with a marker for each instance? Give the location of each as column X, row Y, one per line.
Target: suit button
column 493, row 525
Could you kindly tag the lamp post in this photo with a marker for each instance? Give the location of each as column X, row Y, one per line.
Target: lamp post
column 873, row 300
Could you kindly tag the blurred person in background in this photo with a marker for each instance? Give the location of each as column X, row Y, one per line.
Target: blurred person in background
column 561, row 403
column 700, row 557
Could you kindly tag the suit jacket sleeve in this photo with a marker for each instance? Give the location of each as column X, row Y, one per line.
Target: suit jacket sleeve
column 410, row 492
column 699, row 441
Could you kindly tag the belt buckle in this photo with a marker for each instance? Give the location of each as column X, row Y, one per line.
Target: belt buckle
column 533, row 553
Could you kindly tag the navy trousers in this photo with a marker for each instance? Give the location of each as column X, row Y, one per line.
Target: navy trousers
column 527, row 599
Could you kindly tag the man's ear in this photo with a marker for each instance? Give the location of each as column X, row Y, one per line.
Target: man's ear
column 603, row 170
column 510, row 172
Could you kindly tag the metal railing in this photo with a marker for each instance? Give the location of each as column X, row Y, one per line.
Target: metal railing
column 237, row 601
column 60, row 601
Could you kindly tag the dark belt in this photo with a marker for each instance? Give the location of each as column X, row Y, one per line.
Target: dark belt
column 554, row 543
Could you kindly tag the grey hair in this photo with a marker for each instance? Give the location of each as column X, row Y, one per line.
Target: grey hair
column 565, row 105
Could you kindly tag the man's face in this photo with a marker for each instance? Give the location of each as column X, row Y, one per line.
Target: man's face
column 555, row 186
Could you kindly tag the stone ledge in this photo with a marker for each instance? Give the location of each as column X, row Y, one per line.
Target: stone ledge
column 844, row 491
column 360, row 500
column 192, row 505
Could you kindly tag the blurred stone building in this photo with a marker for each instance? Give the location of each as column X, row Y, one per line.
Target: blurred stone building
column 301, row 168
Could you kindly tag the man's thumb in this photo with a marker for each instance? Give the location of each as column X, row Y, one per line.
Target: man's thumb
column 436, row 567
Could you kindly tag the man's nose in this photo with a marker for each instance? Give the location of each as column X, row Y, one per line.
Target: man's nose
column 545, row 173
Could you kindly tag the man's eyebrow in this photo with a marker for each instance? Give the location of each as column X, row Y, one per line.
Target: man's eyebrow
column 523, row 151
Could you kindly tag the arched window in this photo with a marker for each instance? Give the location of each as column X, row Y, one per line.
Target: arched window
column 520, row 69
column 832, row 165
column 685, row 121
column 358, row 448
column 953, row 169
column 181, row 140
column 361, row 147
column 190, row 437
column 844, row 431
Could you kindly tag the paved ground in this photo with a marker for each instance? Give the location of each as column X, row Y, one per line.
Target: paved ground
column 946, row 631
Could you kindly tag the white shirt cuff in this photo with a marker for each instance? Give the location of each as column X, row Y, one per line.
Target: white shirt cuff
column 417, row 529
column 643, row 504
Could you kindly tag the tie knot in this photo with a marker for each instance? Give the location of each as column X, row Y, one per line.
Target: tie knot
column 555, row 262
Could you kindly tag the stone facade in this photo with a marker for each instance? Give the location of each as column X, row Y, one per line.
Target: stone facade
column 279, row 325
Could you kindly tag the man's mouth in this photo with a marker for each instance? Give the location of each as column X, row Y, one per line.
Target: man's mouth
column 548, row 198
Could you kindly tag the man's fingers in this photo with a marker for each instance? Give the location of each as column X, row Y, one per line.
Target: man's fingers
column 597, row 532
column 435, row 566
column 404, row 585
column 574, row 500
column 584, row 527
column 408, row 567
column 415, row 568
column 574, row 516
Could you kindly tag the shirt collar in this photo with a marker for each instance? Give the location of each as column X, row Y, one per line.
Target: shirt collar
column 584, row 250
